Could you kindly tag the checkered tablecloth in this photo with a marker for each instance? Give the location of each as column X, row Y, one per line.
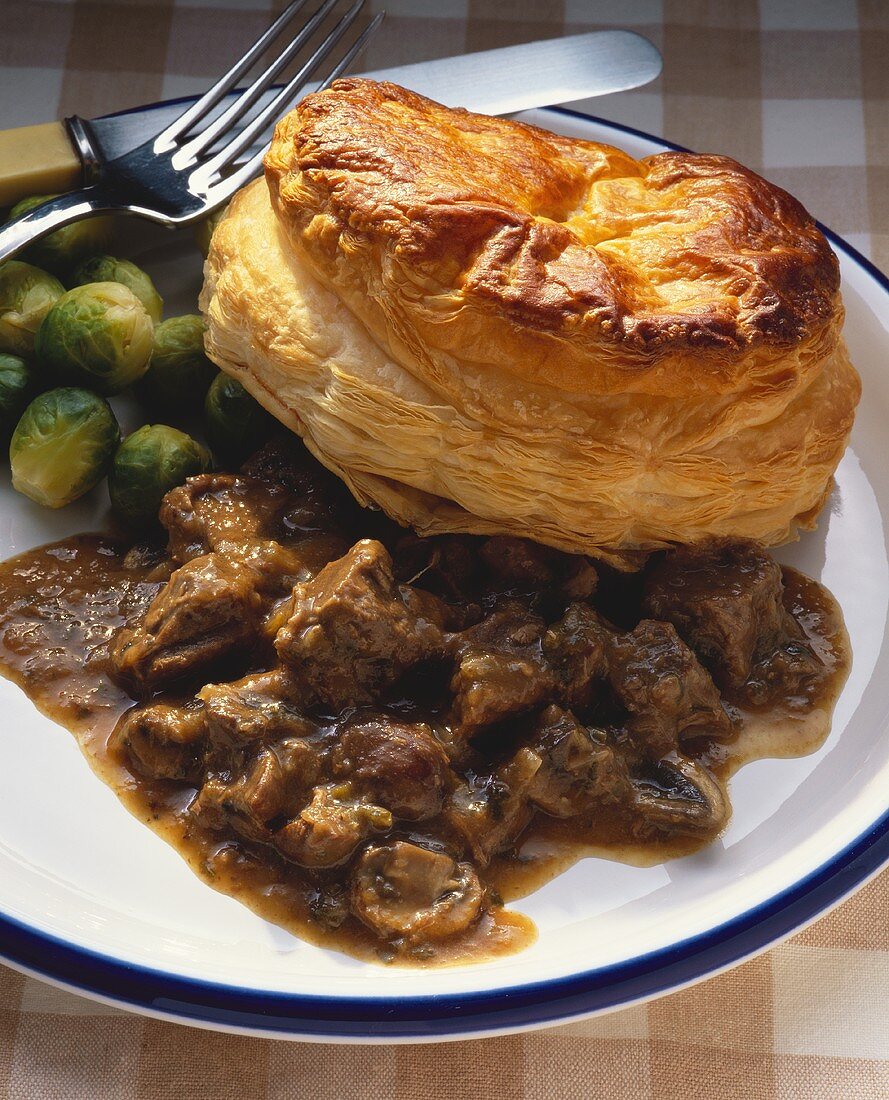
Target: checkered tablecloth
column 798, row 90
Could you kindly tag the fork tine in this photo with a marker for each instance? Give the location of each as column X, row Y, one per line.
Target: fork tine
column 353, row 51
column 189, row 152
column 244, row 138
column 222, row 191
column 226, row 82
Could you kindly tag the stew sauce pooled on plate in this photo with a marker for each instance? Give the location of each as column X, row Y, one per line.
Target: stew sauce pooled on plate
column 374, row 739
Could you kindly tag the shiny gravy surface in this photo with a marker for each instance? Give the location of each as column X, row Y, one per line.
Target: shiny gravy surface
column 60, row 606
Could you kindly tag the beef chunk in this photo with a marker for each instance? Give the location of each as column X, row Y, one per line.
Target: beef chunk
column 725, row 601
column 161, row 741
column 282, row 461
column 678, row 796
column 446, row 565
column 789, row 668
column 256, row 714
column 501, row 670
column 400, row 765
column 272, row 786
column 331, row 827
column 277, row 566
column 257, row 707
column 512, row 626
column 579, row 770
column 207, row 610
column 490, row 686
column 426, row 606
column 575, row 648
column 403, row 891
column 219, row 512
column 246, row 520
column 580, row 579
column 663, row 686
column 515, row 563
column 317, row 499
column 348, row 634
column 509, row 664
column 490, row 811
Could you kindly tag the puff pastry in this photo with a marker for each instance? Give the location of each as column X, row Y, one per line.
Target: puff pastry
column 485, row 327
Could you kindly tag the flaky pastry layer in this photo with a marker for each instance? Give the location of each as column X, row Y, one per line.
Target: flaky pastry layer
column 452, row 440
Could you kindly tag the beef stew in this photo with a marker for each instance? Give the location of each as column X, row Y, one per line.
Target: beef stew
column 375, row 739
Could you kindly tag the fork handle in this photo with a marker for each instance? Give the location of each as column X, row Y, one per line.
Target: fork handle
column 37, row 160
column 43, row 219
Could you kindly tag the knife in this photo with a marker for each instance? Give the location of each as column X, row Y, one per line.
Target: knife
column 54, row 156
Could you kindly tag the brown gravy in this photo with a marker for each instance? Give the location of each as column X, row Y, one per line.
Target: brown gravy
column 60, row 605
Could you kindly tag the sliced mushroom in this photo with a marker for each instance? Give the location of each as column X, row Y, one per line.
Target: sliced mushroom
column 679, row 795
column 403, row 891
column 331, row 827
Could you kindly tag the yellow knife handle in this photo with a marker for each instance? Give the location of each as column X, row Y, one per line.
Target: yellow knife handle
column 36, row 160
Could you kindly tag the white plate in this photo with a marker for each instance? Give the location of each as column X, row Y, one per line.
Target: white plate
column 94, row 901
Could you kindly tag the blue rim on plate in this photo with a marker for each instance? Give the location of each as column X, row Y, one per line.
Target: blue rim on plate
column 463, row 1015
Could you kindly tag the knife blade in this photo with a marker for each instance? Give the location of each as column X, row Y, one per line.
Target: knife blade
column 39, row 159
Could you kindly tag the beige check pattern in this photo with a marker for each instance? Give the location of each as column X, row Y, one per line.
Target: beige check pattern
column 797, row 89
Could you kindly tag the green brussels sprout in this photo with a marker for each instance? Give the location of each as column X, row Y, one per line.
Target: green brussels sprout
column 98, row 335
column 203, row 230
column 179, row 374
column 108, row 269
column 148, row 464
column 236, row 423
column 16, row 388
column 62, row 446
column 26, row 296
column 60, row 250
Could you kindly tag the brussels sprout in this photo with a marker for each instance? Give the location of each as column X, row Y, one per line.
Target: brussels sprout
column 62, row 446
column 179, row 373
column 16, row 388
column 203, row 230
column 26, row 296
column 108, row 269
column 150, row 462
column 97, row 335
column 236, row 423
column 60, row 250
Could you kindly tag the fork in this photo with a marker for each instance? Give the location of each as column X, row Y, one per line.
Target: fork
column 178, row 177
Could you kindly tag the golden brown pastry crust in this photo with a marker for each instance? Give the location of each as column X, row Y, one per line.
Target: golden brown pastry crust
column 622, row 263
column 484, row 327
